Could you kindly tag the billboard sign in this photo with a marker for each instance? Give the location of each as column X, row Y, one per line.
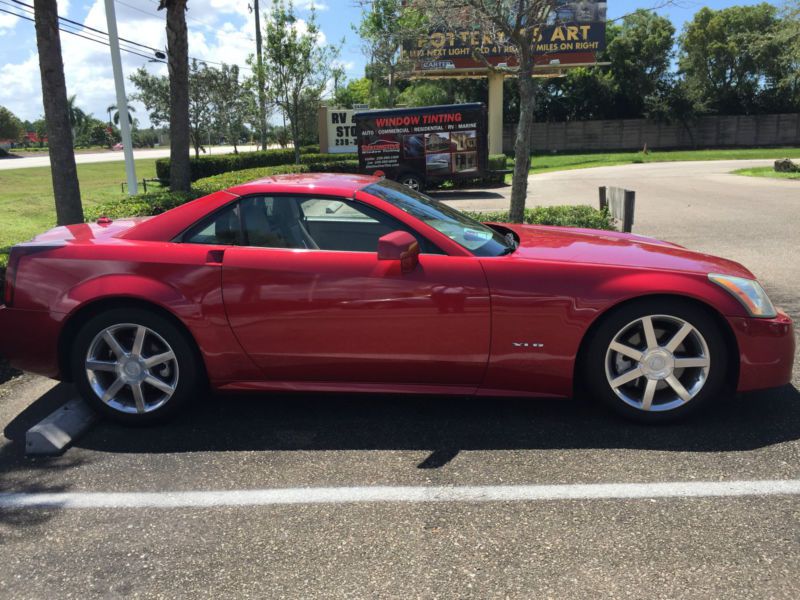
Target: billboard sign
column 573, row 34
column 435, row 142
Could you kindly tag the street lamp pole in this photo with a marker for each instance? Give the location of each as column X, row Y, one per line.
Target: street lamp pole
column 122, row 101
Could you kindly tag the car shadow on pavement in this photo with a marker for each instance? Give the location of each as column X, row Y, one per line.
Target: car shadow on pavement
column 446, row 426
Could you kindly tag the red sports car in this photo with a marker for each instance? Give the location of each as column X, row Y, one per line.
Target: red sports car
column 316, row 283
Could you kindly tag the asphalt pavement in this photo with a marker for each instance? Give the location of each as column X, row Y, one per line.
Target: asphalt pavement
column 651, row 547
column 26, row 162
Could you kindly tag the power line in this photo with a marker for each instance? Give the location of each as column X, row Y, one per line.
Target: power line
column 83, row 26
column 91, row 39
column 68, row 28
column 70, row 24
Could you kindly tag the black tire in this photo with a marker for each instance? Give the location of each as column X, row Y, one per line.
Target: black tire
column 598, row 358
column 189, row 373
column 413, row 181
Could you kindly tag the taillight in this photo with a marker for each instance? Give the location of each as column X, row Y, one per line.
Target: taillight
column 11, row 276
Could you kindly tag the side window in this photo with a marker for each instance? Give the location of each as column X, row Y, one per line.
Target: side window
column 222, row 227
column 275, row 223
column 345, row 225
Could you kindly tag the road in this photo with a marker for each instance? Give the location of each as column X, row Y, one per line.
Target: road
column 27, row 162
column 705, row 547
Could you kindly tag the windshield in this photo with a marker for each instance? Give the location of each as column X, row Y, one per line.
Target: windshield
column 469, row 233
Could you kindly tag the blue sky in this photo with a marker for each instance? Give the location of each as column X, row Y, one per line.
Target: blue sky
column 219, row 31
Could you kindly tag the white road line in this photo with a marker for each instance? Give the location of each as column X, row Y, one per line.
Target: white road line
column 400, row 494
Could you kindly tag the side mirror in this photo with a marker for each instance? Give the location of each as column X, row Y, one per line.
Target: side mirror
column 399, row 245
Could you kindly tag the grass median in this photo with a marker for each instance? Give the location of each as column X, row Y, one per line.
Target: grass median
column 767, row 172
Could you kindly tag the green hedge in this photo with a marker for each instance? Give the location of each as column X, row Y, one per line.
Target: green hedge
column 497, row 162
column 206, row 166
column 563, row 216
column 308, row 159
column 141, row 205
column 209, row 185
column 222, row 181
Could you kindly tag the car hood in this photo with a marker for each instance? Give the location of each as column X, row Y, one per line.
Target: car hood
column 542, row 242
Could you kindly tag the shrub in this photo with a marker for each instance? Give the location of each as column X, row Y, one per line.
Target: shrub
column 497, row 162
column 141, row 205
column 215, row 164
column 339, row 166
column 222, row 181
column 562, row 216
column 209, row 185
column 308, row 159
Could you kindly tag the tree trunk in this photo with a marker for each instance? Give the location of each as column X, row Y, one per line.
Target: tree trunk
column 294, row 118
column 179, row 143
column 59, row 132
column 522, row 145
column 262, row 95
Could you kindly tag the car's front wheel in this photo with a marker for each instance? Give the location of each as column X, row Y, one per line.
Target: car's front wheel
column 656, row 361
column 133, row 365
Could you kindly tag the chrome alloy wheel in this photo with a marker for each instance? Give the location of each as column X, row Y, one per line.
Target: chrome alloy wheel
column 131, row 368
column 411, row 182
column 657, row 363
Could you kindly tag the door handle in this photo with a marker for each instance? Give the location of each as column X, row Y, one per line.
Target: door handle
column 214, row 257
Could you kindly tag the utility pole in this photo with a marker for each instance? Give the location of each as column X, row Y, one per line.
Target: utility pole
column 122, row 100
column 262, row 99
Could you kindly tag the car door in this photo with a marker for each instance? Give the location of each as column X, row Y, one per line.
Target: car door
column 332, row 312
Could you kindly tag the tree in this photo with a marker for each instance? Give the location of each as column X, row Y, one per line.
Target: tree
column 112, row 108
column 724, row 58
column 153, row 92
column 179, row 133
column 260, row 82
column 640, row 54
column 518, row 23
column 295, row 63
column 10, row 126
column 424, row 93
column 783, row 93
column 357, row 91
column 76, row 114
column 56, row 110
column 386, row 27
column 231, row 103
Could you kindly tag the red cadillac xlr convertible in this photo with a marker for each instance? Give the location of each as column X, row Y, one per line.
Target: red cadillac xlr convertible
column 317, row 283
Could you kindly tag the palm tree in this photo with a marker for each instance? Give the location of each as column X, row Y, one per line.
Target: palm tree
column 178, row 51
column 113, row 108
column 76, row 115
column 57, row 114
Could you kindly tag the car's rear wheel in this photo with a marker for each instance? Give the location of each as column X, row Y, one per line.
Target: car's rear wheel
column 133, row 365
column 657, row 361
column 413, row 181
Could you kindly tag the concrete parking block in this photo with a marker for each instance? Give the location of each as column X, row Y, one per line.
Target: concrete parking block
column 54, row 433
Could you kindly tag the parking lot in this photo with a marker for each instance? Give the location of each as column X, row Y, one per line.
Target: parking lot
column 359, row 526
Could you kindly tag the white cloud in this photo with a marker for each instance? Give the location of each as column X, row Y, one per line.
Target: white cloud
column 219, row 31
column 20, row 88
column 309, row 4
column 7, row 22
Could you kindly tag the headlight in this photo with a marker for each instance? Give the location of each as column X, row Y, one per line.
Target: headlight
column 747, row 291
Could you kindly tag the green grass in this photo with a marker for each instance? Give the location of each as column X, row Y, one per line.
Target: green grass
column 545, row 163
column 542, row 163
column 766, row 172
column 26, row 196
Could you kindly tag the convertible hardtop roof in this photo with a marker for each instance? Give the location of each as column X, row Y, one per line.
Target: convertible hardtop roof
column 333, row 184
